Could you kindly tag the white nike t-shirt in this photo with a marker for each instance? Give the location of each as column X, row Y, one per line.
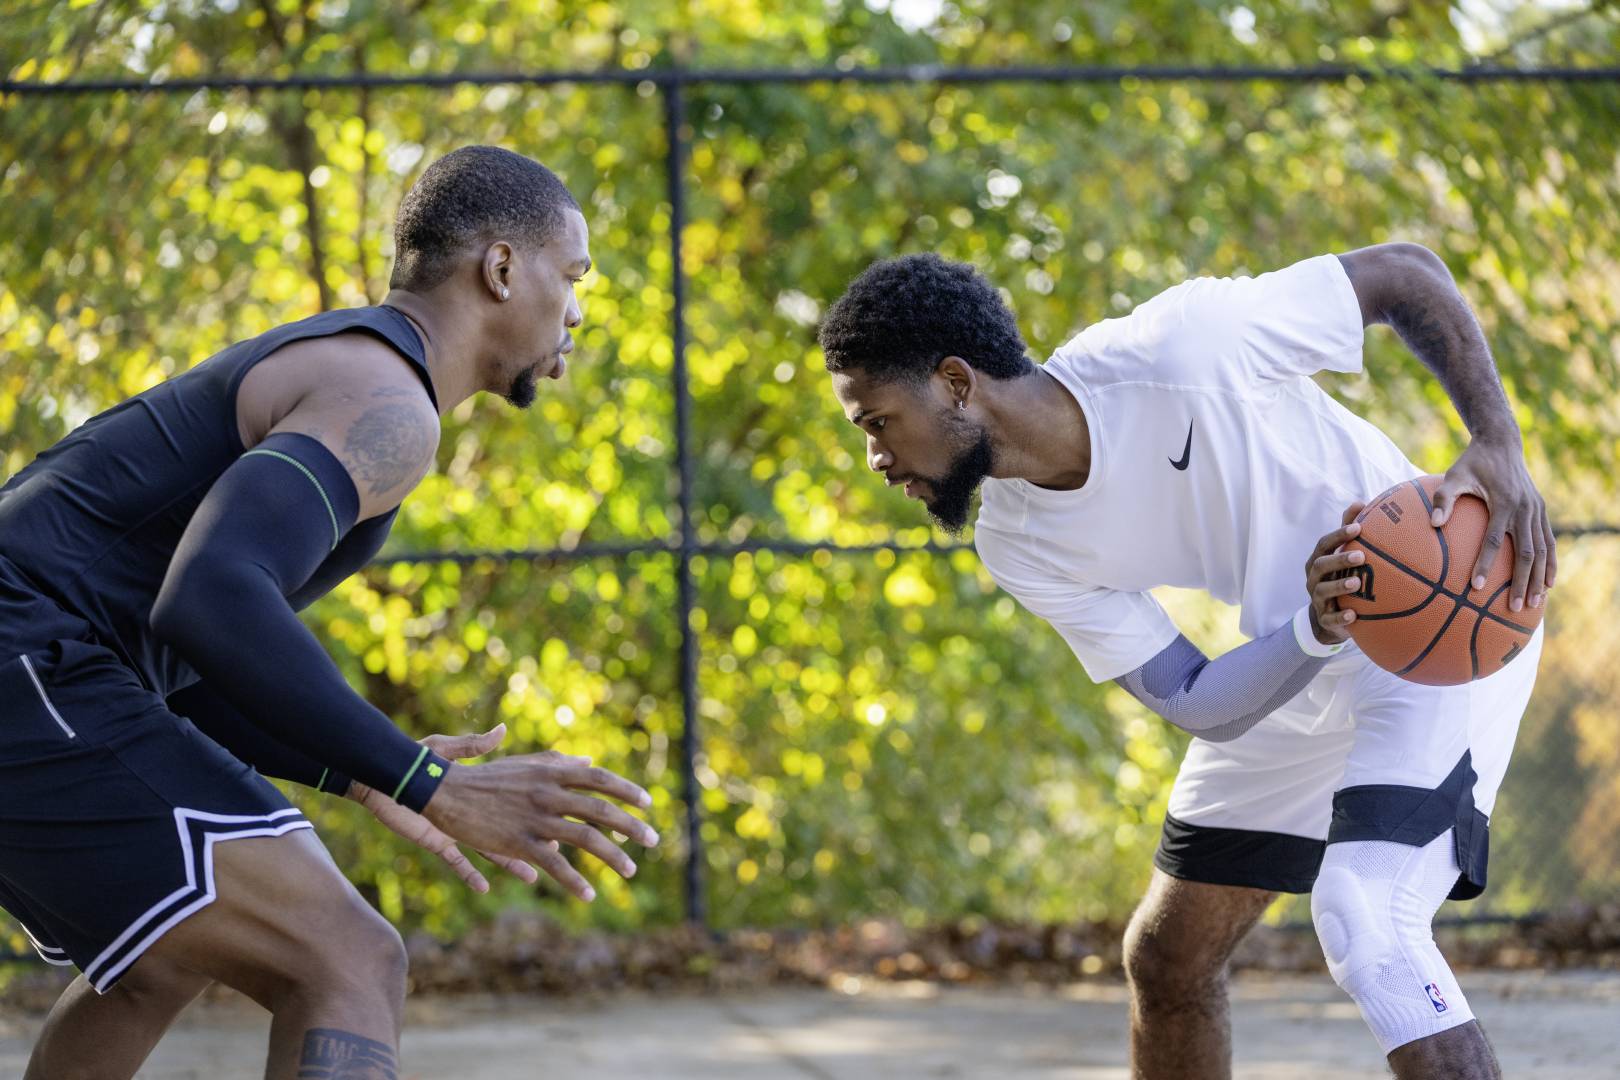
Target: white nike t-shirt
column 1216, row 463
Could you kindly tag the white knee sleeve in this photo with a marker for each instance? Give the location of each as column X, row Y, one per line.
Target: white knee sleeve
column 1374, row 905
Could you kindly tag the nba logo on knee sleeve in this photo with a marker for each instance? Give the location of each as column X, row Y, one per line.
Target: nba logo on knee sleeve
column 1435, row 997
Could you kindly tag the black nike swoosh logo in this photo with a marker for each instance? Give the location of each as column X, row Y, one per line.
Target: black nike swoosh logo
column 1186, row 451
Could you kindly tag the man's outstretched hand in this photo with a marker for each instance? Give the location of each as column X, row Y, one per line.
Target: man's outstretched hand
column 518, row 810
column 421, row 832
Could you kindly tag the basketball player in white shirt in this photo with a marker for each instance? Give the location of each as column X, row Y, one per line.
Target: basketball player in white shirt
column 1186, row 445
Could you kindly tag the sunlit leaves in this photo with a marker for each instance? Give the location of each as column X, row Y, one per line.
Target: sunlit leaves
column 879, row 733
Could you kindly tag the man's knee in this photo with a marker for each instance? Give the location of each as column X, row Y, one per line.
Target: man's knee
column 1164, row 962
column 349, row 951
column 1372, row 905
column 1180, row 938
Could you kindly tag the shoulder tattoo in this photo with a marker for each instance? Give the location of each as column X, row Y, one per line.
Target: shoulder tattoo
column 388, row 444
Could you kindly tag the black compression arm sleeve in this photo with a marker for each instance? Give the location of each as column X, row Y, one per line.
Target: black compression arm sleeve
column 249, row 743
column 260, row 533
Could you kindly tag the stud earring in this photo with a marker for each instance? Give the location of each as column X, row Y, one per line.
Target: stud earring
column 506, row 293
column 961, row 404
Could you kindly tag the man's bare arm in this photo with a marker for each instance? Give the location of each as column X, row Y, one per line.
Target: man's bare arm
column 1408, row 288
column 360, row 400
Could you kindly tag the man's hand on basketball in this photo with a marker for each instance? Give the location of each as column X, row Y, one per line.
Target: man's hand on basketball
column 523, row 807
column 1330, row 624
column 1496, row 473
column 419, row 831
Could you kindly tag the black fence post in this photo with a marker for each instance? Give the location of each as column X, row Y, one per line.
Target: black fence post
column 675, row 162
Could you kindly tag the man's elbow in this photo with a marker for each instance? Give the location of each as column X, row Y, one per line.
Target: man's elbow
column 1413, row 258
column 1386, row 268
column 1385, row 276
column 180, row 609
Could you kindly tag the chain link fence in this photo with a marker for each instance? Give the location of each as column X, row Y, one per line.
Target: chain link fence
column 843, row 718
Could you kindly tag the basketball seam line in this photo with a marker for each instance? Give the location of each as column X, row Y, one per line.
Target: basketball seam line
column 1445, row 548
column 1438, row 634
column 1473, row 638
column 1440, row 589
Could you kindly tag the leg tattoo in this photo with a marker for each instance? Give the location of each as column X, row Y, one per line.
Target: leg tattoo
column 330, row 1054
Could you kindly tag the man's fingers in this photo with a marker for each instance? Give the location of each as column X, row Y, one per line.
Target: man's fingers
column 1330, row 590
column 1333, row 541
column 596, row 778
column 464, row 868
column 581, row 836
column 454, row 747
column 1552, row 547
column 548, row 858
column 1525, row 535
column 1538, row 571
column 605, row 814
column 1444, row 499
column 557, row 757
column 1336, row 561
column 516, row 867
column 1351, row 512
column 462, row 747
column 1494, row 533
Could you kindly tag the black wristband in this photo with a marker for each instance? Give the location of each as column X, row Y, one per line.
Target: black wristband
column 333, row 783
column 417, row 786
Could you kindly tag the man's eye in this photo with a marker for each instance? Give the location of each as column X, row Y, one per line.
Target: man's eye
column 877, row 424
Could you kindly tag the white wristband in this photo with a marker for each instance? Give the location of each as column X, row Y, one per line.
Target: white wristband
column 1307, row 637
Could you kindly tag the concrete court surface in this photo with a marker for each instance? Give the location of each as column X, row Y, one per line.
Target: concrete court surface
column 1545, row 1026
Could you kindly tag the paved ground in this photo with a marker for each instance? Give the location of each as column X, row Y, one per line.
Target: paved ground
column 1564, row 1026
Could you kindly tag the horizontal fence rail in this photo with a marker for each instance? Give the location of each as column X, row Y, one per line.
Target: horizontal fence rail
column 916, row 73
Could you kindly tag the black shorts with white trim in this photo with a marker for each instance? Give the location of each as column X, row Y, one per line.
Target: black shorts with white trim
column 110, row 804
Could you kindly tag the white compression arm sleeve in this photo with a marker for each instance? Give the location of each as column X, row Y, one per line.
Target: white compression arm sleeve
column 1220, row 699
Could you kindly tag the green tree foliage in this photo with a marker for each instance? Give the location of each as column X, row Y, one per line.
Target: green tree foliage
column 881, row 734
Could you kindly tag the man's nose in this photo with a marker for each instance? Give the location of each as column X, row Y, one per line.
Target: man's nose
column 878, row 459
column 573, row 316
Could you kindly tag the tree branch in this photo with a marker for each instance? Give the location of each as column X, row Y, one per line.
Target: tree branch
column 362, row 222
column 1556, row 22
column 292, row 126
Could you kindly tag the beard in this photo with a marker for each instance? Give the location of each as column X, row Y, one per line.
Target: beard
column 951, row 495
column 521, row 393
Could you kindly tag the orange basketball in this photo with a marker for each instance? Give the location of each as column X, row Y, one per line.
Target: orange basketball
column 1416, row 615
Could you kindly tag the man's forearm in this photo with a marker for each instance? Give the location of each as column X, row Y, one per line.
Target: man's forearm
column 1435, row 322
column 1218, row 700
column 249, row 743
column 262, row 530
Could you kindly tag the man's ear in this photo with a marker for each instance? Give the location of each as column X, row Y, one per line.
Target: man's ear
column 960, row 380
column 499, row 263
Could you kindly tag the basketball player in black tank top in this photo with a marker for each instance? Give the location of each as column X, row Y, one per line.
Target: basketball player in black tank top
column 150, row 567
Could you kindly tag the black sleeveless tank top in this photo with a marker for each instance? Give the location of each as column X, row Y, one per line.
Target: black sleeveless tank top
column 92, row 522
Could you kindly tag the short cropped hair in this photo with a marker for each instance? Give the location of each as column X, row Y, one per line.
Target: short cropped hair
column 471, row 196
column 902, row 316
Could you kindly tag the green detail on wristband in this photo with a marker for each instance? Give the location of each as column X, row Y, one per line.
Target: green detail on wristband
column 435, row 770
column 320, row 785
column 417, row 764
column 337, row 534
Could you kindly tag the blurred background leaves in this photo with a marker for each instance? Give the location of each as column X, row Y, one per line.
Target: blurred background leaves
column 882, row 734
